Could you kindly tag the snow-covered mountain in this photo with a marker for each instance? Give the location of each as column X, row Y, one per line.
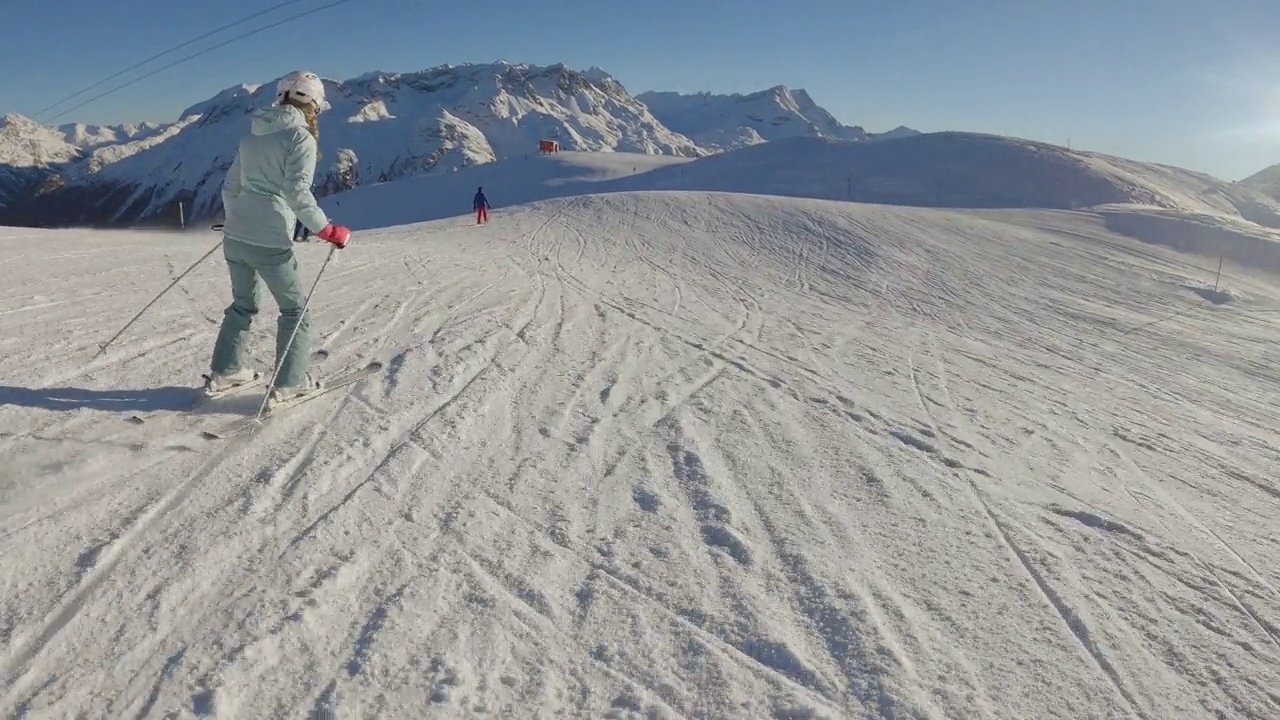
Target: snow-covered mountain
column 28, row 151
column 93, row 136
column 731, row 121
column 382, row 126
column 27, row 143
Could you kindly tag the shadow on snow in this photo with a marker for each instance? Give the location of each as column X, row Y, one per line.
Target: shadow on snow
column 130, row 401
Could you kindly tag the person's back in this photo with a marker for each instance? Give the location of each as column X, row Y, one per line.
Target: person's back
column 270, row 179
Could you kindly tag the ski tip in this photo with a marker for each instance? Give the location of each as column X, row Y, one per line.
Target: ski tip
column 237, row 430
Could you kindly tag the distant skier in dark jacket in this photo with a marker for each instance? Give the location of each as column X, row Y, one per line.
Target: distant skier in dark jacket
column 481, row 205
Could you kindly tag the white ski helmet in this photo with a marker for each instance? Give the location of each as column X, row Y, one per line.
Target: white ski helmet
column 304, row 86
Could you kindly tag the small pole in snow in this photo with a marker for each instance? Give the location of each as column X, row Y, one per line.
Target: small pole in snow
column 1217, row 279
column 182, row 217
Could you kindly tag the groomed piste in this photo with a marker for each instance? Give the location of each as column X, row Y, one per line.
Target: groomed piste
column 652, row 454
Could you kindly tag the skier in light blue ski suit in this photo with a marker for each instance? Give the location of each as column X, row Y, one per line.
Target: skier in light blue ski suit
column 267, row 190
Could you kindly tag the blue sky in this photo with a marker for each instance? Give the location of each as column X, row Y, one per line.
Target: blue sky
column 1194, row 83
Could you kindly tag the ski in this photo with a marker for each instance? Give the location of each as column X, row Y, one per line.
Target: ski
column 341, row 381
column 206, row 395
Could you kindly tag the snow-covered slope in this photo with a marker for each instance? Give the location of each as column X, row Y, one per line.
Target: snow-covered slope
column 382, row 126
column 731, row 121
column 1179, row 208
column 506, row 183
column 651, row 455
column 1266, row 181
column 1177, row 188
column 958, row 170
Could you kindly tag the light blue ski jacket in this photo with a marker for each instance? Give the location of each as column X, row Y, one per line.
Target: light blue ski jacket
column 268, row 185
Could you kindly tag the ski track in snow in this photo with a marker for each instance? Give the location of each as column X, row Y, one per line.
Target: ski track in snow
column 651, row 455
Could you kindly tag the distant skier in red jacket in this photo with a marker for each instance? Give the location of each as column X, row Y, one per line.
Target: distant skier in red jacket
column 481, row 205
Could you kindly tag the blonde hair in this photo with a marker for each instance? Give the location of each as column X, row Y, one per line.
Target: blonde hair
column 308, row 112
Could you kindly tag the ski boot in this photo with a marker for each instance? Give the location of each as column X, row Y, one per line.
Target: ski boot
column 216, row 384
column 283, row 395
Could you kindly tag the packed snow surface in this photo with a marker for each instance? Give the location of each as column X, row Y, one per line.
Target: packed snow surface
column 506, row 182
column 651, row 455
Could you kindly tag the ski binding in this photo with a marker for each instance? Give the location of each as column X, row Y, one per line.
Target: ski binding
column 208, row 394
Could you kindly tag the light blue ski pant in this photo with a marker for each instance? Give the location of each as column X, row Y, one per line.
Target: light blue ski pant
column 279, row 270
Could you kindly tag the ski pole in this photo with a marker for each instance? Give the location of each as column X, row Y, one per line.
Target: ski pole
column 103, row 347
column 301, row 317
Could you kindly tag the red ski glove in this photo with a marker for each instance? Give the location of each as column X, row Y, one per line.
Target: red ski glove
column 336, row 234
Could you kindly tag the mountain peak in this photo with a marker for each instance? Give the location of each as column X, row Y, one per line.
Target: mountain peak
column 724, row 122
column 16, row 120
column 1266, row 181
column 26, row 143
column 597, row 74
column 236, row 94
